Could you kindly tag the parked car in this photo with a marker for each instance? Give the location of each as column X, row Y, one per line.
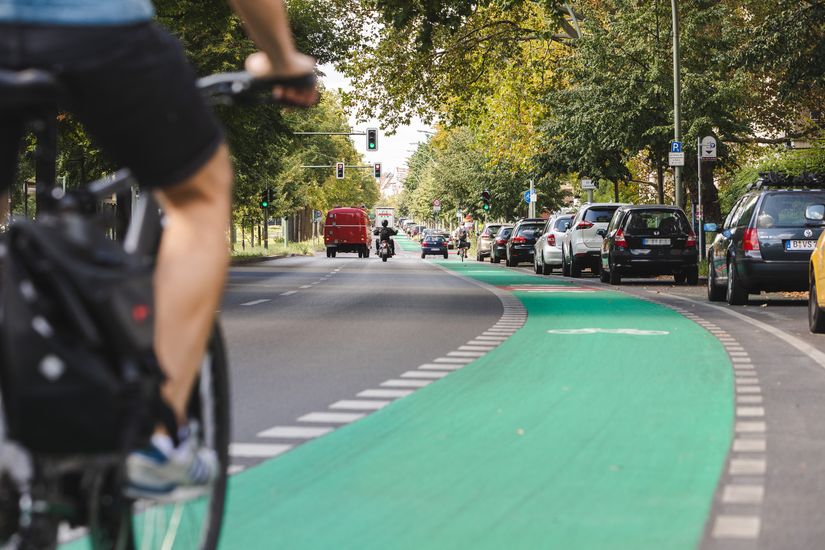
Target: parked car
column 766, row 241
column 347, row 230
column 499, row 247
column 484, row 243
column 434, row 244
column 547, row 250
column 649, row 240
column 816, row 273
column 582, row 245
column 519, row 247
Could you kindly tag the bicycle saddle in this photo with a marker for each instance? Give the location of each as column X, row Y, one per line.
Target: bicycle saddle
column 29, row 88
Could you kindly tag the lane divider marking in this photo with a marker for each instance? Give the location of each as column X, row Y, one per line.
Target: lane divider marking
column 628, row 331
column 289, row 293
column 295, row 432
column 331, row 417
column 256, row 302
column 385, row 393
column 359, row 405
column 256, row 450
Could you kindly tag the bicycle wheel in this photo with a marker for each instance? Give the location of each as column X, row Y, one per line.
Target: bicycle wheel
column 190, row 523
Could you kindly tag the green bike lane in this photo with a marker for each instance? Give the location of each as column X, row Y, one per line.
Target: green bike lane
column 563, row 439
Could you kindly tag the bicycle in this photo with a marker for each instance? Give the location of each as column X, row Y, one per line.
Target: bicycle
column 462, row 249
column 40, row 490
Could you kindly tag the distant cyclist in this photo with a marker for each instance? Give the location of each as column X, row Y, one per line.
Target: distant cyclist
column 131, row 86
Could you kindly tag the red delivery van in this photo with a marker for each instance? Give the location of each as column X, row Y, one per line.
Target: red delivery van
column 347, row 230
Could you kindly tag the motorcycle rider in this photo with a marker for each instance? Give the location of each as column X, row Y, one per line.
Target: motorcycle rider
column 385, row 233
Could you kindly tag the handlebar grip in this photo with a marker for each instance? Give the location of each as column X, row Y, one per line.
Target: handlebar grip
column 241, row 87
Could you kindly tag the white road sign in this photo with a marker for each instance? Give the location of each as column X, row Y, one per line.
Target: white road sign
column 708, row 148
column 676, row 159
column 588, row 185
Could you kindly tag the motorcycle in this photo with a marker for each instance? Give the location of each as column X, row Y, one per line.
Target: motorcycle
column 384, row 250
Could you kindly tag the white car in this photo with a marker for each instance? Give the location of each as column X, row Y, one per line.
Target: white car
column 548, row 247
column 582, row 245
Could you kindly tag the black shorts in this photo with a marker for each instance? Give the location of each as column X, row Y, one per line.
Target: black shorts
column 132, row 89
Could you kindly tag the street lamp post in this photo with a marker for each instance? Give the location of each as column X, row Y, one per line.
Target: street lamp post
column 677, row 119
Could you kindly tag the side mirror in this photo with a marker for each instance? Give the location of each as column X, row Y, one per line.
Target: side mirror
column 712, row 227
column 602, row 233
column 815, row 212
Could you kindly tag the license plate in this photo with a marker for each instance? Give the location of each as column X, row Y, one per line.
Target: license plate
column 656, row 242
column 800, row 245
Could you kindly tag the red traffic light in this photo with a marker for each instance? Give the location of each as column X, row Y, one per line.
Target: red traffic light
column 377, row 169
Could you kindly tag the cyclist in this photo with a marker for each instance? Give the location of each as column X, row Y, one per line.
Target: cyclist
column 463, row 244
column 131, row 86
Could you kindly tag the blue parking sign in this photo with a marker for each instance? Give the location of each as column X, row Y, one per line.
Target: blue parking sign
column 675, row 146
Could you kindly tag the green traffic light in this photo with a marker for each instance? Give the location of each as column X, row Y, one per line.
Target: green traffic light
column 486, row 207
column 264, row 204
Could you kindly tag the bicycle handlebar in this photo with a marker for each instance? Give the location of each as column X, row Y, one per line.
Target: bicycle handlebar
column 241, row 88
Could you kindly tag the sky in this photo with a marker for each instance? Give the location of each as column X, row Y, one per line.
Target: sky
column 394, row 150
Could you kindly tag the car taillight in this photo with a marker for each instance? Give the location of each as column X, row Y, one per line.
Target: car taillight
column 551, row 239
column 750, row 242
column 584, row 224
column 619, row 239
column 691, row 241
column 519, row 240
column 501, row 241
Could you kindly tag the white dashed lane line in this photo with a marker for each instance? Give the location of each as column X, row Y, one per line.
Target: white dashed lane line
column 256, row 302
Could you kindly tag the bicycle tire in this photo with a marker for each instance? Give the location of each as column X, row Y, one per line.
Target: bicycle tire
column 205, row 513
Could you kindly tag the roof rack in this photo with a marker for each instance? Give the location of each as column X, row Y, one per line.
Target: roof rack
column 778, row 179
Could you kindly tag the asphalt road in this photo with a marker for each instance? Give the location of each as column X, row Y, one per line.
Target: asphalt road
column 310, row 336
column 306, row 332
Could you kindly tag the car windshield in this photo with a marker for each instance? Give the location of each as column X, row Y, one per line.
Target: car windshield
column 600, row 214
column 664, row 222
column 787, row 209
column 490, row 231
column 561, row 223
column 528, row 231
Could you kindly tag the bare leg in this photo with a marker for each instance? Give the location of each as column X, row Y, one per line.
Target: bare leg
column 190, row 273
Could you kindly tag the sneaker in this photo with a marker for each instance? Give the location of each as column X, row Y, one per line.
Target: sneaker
column 163, row 470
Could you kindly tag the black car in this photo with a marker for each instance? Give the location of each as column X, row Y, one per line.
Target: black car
column 499, row 248
column 649, row 240
column 766, row 242
column 434, row 244
column 520, row 246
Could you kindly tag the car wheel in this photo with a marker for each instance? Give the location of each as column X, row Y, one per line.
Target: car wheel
column 423, row 255
column 494, row 258
column 736, row 295
column 715, row 292
column 615, row 277
column 816, row 317
column 445, row 255
column 565, row 269
column 479, row 258
column 536, row 266
column 693, row 276
column 575, row 268
column 329, row 253
column 679, row 278
column 604, row 276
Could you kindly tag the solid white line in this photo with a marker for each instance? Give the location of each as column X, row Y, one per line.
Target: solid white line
column 359, row 405
column 747, row 466
column 749, row 445
column 294, row 432
column 454, row 360
column 743, row 494
column 257, row 450
column 406, row 383
column 804, row 347
column 288, row 293
column 331, row 418
column 736, row 527
column 385, row 393
column 440, row 366
column 423, row 374
column 255, row 302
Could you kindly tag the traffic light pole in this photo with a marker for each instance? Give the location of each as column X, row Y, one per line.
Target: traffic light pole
column 677, row 117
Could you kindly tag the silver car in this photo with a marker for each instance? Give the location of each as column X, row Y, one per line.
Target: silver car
column 548, row 247
column 484, row 243
column 582, row 243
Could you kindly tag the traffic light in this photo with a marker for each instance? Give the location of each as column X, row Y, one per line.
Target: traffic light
column 377, row 168
column 339, row 170
column 485, row 200
column 372, row 139
column 265, row 199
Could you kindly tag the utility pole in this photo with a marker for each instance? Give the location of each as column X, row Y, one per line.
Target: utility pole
column 531, row 210
column 677, row 118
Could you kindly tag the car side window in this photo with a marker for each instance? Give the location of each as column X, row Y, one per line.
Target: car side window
column 732, row 215
column 747, row 208
column 615, row 221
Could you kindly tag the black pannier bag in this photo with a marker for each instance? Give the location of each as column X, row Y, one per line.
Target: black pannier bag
column 77, row 368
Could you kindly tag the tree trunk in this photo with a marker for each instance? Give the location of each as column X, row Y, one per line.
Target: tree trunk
column 616, row 191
